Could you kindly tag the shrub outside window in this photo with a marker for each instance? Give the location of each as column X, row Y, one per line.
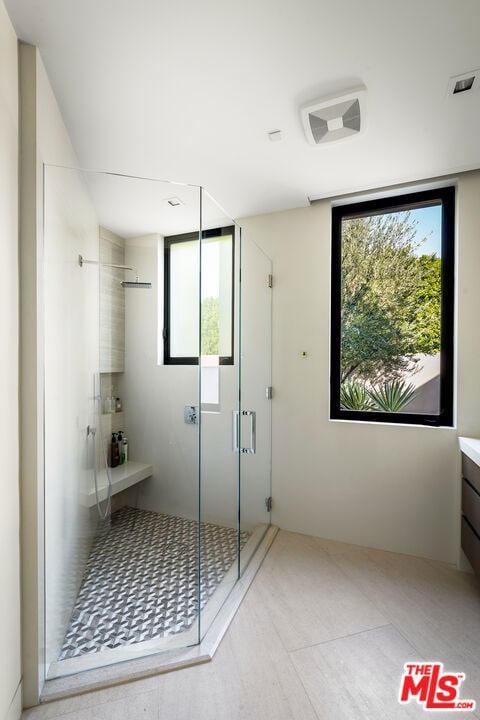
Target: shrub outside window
column 393, row 309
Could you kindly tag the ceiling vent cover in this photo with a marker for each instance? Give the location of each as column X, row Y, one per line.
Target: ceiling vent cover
column 334, row 117
column 460, row 84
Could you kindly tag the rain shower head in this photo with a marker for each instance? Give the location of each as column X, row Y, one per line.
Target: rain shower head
column 136, row 284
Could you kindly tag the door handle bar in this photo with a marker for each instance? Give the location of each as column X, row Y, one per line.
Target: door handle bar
column 251, row 450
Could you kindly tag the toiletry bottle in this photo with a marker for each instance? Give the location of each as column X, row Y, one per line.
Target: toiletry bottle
column 107, row 407
column 113, row 454
column 125, row 449
column 121, row 456
column 110, row 453
column 118, row 405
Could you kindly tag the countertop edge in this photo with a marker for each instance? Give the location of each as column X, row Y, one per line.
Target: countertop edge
column 471, row 448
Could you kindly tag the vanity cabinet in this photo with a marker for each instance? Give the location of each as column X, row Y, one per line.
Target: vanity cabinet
column 471, row 507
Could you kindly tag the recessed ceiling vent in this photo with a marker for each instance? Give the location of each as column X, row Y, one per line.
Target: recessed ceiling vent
column 459, row 84
column 334, row 117
column 174, row 201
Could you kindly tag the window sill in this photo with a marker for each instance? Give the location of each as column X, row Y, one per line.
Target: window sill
column 382, row 423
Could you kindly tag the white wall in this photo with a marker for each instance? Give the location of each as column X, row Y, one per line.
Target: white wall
column 10, row 669
column 383, row 486
column 468, row 378
column 59, row 326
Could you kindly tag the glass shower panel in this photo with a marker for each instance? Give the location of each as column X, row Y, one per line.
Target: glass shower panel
column 154, row 396
column 219, row 393
column 121, row 460
column 71, row 336
column 145, row 348
column 255, row 417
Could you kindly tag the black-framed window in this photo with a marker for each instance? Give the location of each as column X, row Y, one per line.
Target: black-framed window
column 198, row 320
column 392, row 309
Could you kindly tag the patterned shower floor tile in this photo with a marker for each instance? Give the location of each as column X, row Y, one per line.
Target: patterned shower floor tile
column 141, row 579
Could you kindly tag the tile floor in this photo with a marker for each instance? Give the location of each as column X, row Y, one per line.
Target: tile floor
column 322, row 634
column 141, row 579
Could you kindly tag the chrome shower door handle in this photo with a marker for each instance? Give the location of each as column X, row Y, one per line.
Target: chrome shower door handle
column 235, row 429
column 253, row 431
column 251, row 450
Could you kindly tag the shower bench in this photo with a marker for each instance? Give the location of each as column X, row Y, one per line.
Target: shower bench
column 123, row 477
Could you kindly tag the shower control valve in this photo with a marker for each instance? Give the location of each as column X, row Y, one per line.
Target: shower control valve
column 190, row 415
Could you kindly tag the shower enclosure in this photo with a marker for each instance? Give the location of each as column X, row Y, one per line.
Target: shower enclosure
column 157, row 402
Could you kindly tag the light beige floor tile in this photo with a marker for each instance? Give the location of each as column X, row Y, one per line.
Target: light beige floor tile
column 122, row 692
column 286, row 540
column 358, row 678
column 436, row 608
column 308, row 598
column 364, row 612
column 251, row 677
column 143, row 705
column 334, row 547
column 456, row 662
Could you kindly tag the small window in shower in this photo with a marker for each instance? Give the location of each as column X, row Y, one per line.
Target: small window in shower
column 210, row 386
column 186, row 336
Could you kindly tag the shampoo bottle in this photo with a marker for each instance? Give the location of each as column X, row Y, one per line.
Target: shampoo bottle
column 121, row 456
column 113, row 454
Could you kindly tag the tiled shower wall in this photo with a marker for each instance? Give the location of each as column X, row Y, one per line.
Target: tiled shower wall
column 112, row 330
column 112, row 303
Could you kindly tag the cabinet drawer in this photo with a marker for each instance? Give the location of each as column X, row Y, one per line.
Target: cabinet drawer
column 471, row 506
column 471, row 546
column 471, row 471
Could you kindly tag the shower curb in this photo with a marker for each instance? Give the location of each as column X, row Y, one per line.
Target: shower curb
column 132, row 670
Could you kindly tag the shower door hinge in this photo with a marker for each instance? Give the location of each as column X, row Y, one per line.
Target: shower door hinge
column 268, row 503
column 269, row 392
column 270, row 281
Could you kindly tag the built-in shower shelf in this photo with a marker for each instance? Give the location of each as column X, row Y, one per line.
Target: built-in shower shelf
column 123, row 477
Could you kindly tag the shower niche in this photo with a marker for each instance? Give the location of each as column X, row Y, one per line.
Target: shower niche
column 169, row 308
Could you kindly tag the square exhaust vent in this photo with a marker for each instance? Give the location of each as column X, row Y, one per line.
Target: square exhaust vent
column 459, row 84
column 334, row 117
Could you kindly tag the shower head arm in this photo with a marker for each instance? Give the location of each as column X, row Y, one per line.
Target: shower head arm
column 82, row 261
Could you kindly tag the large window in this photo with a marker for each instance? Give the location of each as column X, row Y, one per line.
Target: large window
column 392, row 309
column 185, row 339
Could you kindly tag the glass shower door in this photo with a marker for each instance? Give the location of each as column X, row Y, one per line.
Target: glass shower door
column 121, row 518
column 219, row 392
column 235, row 405
column 255, row 415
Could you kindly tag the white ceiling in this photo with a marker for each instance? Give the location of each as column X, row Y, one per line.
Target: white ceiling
column 188, row 90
